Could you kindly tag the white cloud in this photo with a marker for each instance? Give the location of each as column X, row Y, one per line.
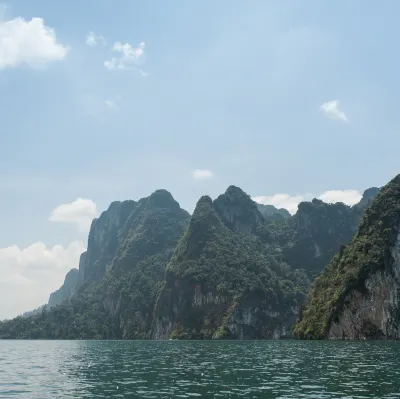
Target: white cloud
column 202, row 174
column 29, row 275
column 289, row 202
column 93, row 40
column 130, row 56
column 285, row 201
column 28, row 42
column 331, row 109
column 348, row 197
column 80, row 212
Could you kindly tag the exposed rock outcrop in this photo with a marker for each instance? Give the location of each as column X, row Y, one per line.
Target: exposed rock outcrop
column 104, row 240
column 137, row 271
column 234, row 270
column 319, row 229
column 358, row 294
column 222, row 282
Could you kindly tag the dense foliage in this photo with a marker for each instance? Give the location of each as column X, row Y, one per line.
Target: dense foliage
column 81, row 318
column 220, row 256
column 145, row 261
column 368, row 251
column 121, row 305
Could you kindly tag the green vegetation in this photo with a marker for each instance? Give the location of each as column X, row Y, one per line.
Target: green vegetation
column 146, row 265
column 121, row 305
column 81, row 318
column 368, row 252
column 232, row 267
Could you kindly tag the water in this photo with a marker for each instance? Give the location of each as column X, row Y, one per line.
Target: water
column 182, row 369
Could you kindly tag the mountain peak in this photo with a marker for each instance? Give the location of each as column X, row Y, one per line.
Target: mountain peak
column 238, row 211
column 203, row 210
column 162, row 199
column 235, row 192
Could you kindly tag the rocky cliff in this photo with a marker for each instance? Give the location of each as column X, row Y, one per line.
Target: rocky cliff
column 358, row 294
column 318, row 229
column 136, row 274
column 223, row 282
column 233, row 270
column 66, row 290
column 119, row 278
column 104, row 240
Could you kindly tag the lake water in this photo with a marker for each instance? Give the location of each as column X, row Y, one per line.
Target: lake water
column 182, row 369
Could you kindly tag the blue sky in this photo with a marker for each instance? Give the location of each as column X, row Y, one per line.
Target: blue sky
column 286, row 99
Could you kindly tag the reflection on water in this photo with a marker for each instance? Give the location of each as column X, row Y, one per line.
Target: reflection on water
column 179, row 369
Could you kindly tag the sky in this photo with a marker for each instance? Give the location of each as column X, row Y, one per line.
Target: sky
column 110, row 100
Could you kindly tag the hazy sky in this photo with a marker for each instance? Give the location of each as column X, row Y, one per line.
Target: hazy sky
column 108, row 100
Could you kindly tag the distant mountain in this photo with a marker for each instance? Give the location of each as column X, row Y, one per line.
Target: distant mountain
column 272, row 213
column 234, row 269
column 317, row 230
column 66, row 290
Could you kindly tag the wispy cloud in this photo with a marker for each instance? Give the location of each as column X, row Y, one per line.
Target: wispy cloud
column 130, row 57
column 332, row 110
column 93, row 40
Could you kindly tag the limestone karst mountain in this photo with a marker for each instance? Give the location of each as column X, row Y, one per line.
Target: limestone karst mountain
column 234, row 269
column 357, row 295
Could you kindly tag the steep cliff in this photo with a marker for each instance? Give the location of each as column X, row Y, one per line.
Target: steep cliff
column 104, row 240
column 358, row 294
column 119, row 278
column 317, row 230
column 229, row 271
column 136, row 274
column 223, row 282
column 66, row 290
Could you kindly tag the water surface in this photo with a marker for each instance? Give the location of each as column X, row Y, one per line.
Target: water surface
column 183, row 369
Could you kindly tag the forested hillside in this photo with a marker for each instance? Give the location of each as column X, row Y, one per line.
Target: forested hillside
column 234, row 269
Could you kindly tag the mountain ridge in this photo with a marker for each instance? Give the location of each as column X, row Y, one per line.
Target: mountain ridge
column 149, row 261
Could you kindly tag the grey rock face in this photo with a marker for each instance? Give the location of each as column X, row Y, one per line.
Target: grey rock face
column 104, row 239
column 373, row 313
column 238, row 211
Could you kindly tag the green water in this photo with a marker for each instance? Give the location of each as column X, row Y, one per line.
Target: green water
column 179, row 369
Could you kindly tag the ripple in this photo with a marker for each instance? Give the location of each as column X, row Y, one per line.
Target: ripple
column 257, row 369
